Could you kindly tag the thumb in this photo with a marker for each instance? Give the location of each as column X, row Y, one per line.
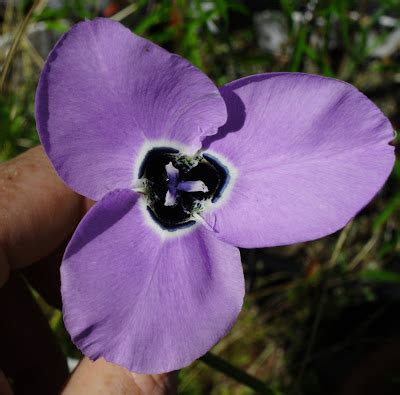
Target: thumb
column 37, row 210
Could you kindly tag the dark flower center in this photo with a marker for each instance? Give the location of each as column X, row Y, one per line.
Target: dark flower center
column 178, row 186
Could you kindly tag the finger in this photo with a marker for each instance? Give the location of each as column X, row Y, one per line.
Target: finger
column 44, row 275
column 29, row 354
column 37, row 211
column 165, row 383
column 101, row 377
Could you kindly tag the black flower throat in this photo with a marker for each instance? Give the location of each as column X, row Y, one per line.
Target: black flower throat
column 187, row 200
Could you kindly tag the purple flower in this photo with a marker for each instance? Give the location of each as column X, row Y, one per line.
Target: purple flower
column 184, row 174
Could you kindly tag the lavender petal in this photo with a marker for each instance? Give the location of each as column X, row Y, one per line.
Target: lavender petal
column 310, row 153
column 105, row 91
column 147, row 304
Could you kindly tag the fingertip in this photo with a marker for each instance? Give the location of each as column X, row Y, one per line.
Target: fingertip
column 100, row 377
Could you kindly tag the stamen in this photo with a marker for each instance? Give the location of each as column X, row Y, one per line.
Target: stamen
column 203, row 221
column 139, row 190
column 192, row 186
column 170, row 199
column 177, row 187
column 172, row 173
column 139, row 187
column 173, row 180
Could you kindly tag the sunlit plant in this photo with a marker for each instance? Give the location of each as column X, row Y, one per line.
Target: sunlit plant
column 184, row 173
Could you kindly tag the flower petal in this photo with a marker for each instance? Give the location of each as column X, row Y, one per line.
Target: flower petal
column 104, row 91
column 147, row 304
column 309, row 151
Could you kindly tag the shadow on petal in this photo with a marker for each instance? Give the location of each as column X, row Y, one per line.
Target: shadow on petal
column 237, row 111
column 42, row 98
column 236, row 116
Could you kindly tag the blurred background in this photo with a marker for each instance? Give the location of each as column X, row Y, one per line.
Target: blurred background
column 320, row 317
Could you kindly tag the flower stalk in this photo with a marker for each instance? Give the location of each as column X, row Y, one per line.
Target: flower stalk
column 223, row 366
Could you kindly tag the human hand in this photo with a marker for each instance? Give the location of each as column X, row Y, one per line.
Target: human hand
column 38, row 215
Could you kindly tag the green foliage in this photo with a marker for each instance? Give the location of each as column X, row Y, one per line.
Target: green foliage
column 384, row 276
column 17, row 122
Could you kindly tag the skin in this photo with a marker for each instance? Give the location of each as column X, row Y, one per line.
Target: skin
column 38, row 214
